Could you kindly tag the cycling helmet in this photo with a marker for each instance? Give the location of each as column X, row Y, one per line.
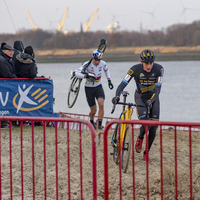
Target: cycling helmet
column 147, row 56
column 97, row 54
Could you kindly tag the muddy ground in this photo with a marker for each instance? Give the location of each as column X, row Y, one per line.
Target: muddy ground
column 127, row 180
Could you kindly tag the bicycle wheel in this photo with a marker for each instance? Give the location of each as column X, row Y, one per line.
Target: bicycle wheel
column 115, row 146
column 73, row 91
column 126, row 149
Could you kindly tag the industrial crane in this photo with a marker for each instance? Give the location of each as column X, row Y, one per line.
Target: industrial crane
column 87, row 26
column 33, row 25
column 60, row 25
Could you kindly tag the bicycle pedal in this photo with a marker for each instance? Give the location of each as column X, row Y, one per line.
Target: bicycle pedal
column 112, row 144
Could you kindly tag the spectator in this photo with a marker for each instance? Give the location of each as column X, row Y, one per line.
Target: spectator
column 19, row 48
column 6, row 68
column 25, row 66
column 6, row 63
column 1, row 49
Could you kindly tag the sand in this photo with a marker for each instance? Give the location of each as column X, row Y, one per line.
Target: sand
column 127, row 192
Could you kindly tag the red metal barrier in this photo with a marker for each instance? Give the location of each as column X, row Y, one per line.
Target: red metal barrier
column 26, row 144
column 107, row 120
column 192, row 185
column 81, row 116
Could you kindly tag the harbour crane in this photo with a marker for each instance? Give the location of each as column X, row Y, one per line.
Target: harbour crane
column 87, row 25
column 60, row 25
column 33, row 25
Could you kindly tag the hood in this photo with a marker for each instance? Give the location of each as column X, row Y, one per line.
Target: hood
column 24, row 58
column 19, row 46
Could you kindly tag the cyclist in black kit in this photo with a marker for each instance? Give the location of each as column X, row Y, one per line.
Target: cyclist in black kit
column 148, row 78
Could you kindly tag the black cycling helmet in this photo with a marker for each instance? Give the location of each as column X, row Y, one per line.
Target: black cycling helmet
column 147, row 56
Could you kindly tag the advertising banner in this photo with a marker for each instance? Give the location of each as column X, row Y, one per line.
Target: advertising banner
column 26, row 98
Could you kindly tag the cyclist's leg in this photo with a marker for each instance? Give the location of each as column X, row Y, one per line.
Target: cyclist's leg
column 154, row 115
column 141, row 113
column 89, row 92
column 100, row 96
column 101, row 111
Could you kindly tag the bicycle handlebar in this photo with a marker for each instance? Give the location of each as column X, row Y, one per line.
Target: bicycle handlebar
column 130, row 105
column 122, row 103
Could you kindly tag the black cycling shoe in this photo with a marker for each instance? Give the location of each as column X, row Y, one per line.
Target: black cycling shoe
column 93, row 125
column 101, row 128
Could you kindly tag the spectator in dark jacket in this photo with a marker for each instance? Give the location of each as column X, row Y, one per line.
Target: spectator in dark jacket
column 25, row 66
column 19, row 48
column 4, row 123
column 6, row 63
column 1, row 49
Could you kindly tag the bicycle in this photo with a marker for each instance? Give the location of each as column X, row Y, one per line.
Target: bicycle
column 76, row 82
column 124, row 146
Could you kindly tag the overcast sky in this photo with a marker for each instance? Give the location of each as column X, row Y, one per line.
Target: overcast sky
column 131, row 14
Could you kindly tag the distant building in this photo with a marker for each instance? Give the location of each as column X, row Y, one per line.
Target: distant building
column 113, row 27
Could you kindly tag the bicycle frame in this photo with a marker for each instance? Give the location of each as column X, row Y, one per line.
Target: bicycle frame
column 122, row 144
column 126, row 115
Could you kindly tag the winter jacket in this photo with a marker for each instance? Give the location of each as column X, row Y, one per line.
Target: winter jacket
column 6, row 67
column 25, row 66
column 19, row 48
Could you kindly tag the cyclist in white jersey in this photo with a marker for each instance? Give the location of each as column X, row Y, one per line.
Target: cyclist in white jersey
column 93, row 86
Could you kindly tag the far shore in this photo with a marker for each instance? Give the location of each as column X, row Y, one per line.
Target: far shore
column 119, row 54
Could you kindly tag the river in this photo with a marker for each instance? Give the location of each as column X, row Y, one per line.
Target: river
column 179, row 95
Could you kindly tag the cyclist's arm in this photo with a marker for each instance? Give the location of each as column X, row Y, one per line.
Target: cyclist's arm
column 107, row 71
column 123, row 84
column 120, row 89
column 155, row 94
column 78, row 72
column 158, row 85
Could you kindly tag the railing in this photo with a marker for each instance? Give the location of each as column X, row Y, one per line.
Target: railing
column 162, row 160
column 106, row 120
column 51, row 163
column 35, row 162
column 73, row 126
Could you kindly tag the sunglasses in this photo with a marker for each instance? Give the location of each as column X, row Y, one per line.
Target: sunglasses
column 148, row 62
column 97, row 59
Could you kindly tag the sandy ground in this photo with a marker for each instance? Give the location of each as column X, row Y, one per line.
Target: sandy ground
column 127, row 181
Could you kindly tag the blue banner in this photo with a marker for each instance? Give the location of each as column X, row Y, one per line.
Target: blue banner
column 26, row 98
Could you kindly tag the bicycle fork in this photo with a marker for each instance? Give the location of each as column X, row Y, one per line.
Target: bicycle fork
column 127, row 116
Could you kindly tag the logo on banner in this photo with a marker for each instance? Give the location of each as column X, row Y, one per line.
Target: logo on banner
column 29, row 101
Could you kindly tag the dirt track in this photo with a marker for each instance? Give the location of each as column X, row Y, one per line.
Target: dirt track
column 140, row 166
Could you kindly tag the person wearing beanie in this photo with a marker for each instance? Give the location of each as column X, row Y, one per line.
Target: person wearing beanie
column 29, row 50
column 6, row 63
column 18, row 45
column 2, row 45
column 1, row 49
column 25, row 66
column 19, row 48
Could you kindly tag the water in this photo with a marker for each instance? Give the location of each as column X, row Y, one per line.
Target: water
column 179, row 95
